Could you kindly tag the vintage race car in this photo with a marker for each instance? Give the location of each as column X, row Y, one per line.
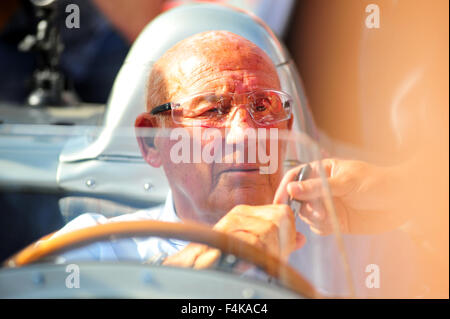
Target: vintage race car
column 58, row 163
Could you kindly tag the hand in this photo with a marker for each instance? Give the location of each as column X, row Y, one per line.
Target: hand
column 363, row 196
column 194, row 255
column 269, row 227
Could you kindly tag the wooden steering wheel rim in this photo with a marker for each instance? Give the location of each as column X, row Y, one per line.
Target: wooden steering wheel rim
column 189, row 231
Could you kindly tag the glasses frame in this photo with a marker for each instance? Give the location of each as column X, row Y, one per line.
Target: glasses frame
column 170, row 106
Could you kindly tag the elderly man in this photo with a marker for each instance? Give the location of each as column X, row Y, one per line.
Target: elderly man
column 219, row 78
column 212, row 80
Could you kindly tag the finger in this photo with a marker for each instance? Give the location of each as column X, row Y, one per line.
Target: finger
column 317, row 215
column 248, row 223
column 250, row 238
column 308, row 216
column 280, row 215
column 313, row 187
column 307, row 190
column 322, row 232
column 208, row 259
column 282, row 195
column 185, row 257
column 314, row 212
column 300, row 240
column 314, row 215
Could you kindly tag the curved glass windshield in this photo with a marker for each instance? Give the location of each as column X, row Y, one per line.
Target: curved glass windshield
column 227, row 182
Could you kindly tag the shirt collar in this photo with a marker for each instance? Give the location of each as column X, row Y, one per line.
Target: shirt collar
column 171, row 216
column 169, row 210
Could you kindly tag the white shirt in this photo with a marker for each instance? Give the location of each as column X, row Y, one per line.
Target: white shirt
column 136, row 249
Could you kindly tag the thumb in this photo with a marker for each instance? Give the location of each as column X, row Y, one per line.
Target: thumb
column 306, row 190
column 314, row 188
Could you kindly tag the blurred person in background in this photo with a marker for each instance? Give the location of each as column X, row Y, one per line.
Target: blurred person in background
column 93, row 53
column 380, row 98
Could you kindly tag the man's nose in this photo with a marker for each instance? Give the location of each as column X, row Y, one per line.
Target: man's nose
column 239, row 121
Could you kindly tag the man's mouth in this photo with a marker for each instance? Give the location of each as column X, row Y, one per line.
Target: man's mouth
column 241, row 169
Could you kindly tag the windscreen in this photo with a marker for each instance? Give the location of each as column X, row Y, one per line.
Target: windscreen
column 234, row 183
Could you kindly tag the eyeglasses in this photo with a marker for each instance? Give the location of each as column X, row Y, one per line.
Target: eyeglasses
column 265, row 107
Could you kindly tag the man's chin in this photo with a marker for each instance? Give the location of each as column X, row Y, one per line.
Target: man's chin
column 251, row 196
column 222, row 202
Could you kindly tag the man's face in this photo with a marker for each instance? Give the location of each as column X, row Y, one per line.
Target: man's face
column 221, row 64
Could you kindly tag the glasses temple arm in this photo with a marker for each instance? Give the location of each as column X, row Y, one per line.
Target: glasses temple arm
column 161, row 108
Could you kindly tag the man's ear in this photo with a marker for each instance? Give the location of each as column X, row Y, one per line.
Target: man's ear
column 145, row 138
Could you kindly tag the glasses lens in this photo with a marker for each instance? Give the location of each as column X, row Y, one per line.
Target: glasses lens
column 270, row 106
column 211, row 110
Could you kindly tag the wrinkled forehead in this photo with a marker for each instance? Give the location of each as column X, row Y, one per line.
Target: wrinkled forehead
column 215, row 61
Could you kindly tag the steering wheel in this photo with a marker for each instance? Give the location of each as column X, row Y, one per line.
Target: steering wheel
column 188, row 231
